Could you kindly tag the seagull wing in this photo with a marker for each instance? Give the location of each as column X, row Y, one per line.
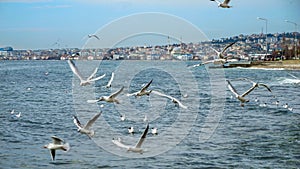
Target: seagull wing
column 91, row 121
column 93, row 74
column 74, row 69
column 52, row 152
column 77, row 122
column 96, row 37
column 230, row 43
column 232, row 89
column 97, row 78
column 57, row 140
column 249, row 91
column 119, row 144
column 180, row 104
column 92, row 101
column 111, row 79
column 140, row 142
column 147, row 85
column 160, row 94
column 132, row 94
column 226, row 2
column 261, row 84
column 116, row 93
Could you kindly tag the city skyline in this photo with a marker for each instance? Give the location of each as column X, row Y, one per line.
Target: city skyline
column 43, row 24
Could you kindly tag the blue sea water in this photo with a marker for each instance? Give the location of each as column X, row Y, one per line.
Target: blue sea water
column 214, row 132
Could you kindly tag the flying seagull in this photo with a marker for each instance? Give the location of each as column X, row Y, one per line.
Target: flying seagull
column 174, row 100
column 223, row 4
column 84, row 82
column 111, row 98
column 137, row 148
column 86, row 128
column 221, row 54
column 110, row 81
column 143, row 91
column 93, row 35
column 242, row 98
column 57, row 145
column 221, row 57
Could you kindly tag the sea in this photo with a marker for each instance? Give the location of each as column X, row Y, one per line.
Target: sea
column 214, row 131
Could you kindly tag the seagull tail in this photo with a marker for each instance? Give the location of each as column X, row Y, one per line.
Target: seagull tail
column 91, row 134
column 66, row 147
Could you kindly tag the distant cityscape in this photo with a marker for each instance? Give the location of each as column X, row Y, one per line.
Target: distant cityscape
column 276, row 46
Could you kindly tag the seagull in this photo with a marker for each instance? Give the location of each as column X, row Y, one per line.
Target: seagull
column 84, row 82
column 131, row 130
column 110, row 99
column 137, row 148
column 143, row 91
column 263, row 105
column 154, row 131
column 93, row 35
column 86, row 129
column 241, row 98
column 145, row 118
column 13, row 111
column 56, row 145
column 277, row 103
column 110, row 81
column 286, row 106
column 174, row 100
column 221, row 57
column 123, row 117
column 18, row 115
column 290, row 108
column 223, row 4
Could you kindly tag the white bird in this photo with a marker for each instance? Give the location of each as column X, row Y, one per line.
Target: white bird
column 122, row 117
column 256, row 99
column 18, row 115
column 110, row 99
column 143, row 91
column 57, row 145
column 84, row 82
column 290, row 109
column 154, row 131
column 242, row 98
column 13, row 111
column 131, row 130
column 145, row 119
column 93, row 35
column 286, row 106
column 174, row 100
column 86, row 128
column 110, row 81
column 137, row 148
column 263, row 105
column 277, row 103
column 221, row 57
column 223, row 4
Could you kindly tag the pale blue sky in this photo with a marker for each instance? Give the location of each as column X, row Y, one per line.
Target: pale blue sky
column 39, row 24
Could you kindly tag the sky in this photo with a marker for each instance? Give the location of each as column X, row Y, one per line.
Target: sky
column 46, row 24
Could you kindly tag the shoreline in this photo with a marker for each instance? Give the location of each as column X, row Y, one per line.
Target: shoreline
column 285, row 64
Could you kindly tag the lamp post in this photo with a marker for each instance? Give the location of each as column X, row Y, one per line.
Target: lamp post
column 266, row 20
column 296, row 54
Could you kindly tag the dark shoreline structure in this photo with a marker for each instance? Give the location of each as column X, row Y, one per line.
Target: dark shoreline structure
column 248, row 48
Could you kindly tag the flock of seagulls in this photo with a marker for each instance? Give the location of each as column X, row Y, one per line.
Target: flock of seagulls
column 58, row 144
